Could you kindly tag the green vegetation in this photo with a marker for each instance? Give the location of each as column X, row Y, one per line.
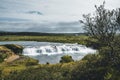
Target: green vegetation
column 2, row 57
column 104, row 65
column 24, row 60
column 17, row 49
column 103, row 26
column 91, row 67
column 4, row 53
column 64, row 39
column 66, row 59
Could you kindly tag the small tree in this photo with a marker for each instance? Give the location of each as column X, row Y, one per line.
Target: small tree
column 66, row 59
column 103, row 25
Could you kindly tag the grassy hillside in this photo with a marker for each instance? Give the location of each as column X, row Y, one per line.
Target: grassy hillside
column 9, row 50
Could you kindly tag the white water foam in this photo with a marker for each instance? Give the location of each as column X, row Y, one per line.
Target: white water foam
column 57, row 49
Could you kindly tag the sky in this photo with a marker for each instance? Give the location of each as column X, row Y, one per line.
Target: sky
column 50, row 16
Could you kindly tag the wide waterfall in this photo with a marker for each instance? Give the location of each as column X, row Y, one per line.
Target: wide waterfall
column 52, row 52
column 57, row 49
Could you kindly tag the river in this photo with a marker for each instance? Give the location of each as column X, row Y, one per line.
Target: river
column 51, row 52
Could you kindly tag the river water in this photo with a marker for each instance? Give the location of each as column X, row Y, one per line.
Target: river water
column 51, row 52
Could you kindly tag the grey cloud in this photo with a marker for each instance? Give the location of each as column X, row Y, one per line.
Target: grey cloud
column 61, row 27
column 68, row 23
column 11, row 19
column 35, row 12
column 12, row 27
column 1, row 7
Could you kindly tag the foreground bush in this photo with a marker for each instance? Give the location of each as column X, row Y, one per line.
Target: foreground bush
column 66, row 59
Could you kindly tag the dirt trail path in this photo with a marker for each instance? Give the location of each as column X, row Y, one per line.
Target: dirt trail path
column 12, row 58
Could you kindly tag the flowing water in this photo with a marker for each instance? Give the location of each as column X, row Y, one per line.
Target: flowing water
column 52, row 52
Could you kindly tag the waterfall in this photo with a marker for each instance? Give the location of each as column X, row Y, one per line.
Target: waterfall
column 51, row 52
column 57, row 49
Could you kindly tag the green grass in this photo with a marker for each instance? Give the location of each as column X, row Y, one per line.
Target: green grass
column 63, row 39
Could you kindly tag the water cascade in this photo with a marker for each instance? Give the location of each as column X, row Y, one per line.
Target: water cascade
column 51, row 52
column 59, row 49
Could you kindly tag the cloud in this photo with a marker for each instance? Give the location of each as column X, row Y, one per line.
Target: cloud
column 7, row 19
column 63, row 10
column 42, row 27
column 34, row 12
column 47, row 15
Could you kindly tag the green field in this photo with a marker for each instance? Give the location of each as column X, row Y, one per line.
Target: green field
column 63, row 39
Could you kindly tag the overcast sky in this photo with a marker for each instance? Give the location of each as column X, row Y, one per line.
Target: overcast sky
column 47, row 15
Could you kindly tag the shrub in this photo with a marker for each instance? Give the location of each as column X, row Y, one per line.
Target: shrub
column 66, row 59
column 2, row 57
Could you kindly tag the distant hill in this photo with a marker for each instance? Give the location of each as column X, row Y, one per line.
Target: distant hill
column 3, row 33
